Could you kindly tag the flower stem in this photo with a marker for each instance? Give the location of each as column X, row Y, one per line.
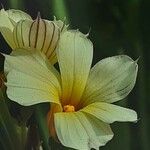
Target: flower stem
column 6, row 140
column 40, row 117
column 59, row 9
column 16, row 4
column 33, row 141
column 23, row 135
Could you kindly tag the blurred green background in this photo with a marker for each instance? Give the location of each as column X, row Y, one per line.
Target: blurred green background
column 116, row 27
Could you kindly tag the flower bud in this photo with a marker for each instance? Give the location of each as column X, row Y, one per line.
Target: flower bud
column 38, row 34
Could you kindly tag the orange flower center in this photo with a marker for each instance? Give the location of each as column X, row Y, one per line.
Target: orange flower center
column 69, row 108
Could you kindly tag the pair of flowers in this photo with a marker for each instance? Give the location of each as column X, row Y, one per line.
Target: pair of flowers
column 80, row 97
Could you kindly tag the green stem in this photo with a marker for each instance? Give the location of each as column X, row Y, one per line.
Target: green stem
column 23, row 136
column 142, row 104
column 32, row 142
column 7, row 126
column 16, row 4
column 134, row 35
column 60, row 10
column 42, row 126
column 6, row 140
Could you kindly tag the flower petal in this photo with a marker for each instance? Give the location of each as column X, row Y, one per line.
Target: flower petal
column 81, row 131
column 110, row 80
column 17, row 15
column 8, row 36
column 29, row 80
column 6, row 28
column 54, row 108
column 61, row 24
column 8, row 19
column 74, row 55
column 39, row 34
column 110, row 113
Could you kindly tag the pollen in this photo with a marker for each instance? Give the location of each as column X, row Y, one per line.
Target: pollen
column 69, row 108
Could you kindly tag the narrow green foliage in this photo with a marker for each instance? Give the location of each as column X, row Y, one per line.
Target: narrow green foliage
column 9, row 129
column 60, row 10
column 40, row 117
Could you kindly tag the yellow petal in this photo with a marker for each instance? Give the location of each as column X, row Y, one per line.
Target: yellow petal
column 110, row 113
column 39, row 34
column 8, row 19
column 74, row 55
column 29, row 80
column 81, row 131
column 5, row 21
column 6, row 28
column 110, row 80
column 17, row 15
column 54, row 108
column 8, row 35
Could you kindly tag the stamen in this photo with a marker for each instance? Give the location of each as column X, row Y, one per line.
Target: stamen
column 69, row 108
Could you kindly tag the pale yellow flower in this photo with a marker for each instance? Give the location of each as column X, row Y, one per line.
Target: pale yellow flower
column 20, row 31
column 80, row 97
column 8, row 21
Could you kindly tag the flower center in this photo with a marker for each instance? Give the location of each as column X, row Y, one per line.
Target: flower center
column 69, row 108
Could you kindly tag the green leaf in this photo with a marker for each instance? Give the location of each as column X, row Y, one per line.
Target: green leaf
column 40, row 116
column 9, row 128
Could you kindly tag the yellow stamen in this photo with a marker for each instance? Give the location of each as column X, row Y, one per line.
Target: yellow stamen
column 69, row 108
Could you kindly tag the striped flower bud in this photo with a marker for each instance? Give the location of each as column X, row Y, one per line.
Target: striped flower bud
column 38, row 34
column 8, row 21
